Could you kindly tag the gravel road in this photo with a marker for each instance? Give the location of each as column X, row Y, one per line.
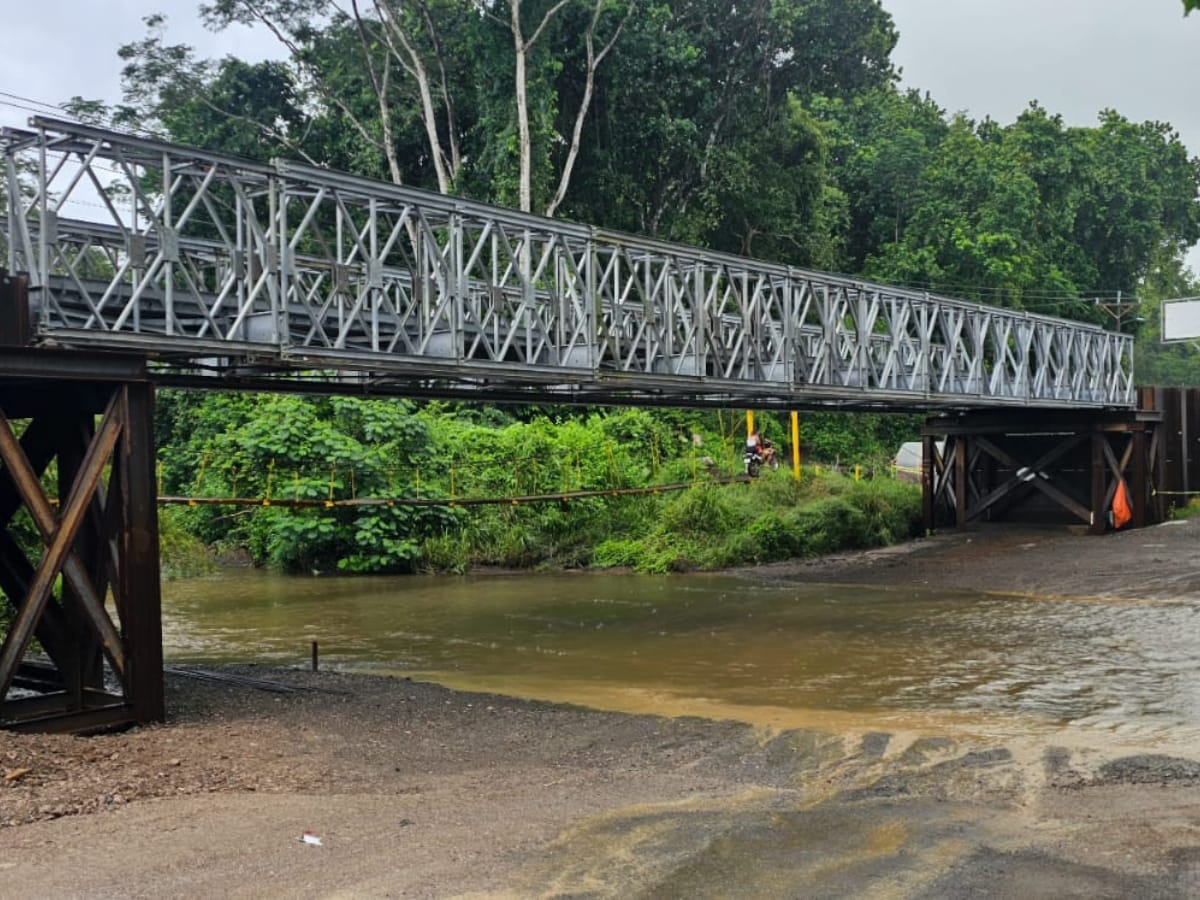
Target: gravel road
column 415, row 790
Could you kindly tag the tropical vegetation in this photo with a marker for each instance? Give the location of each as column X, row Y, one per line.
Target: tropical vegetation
column 778, row 132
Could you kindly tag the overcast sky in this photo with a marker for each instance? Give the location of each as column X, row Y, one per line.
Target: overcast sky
column 984, row 57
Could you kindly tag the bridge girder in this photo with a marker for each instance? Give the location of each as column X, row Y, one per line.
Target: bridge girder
column 290, row 275
column 89, row 419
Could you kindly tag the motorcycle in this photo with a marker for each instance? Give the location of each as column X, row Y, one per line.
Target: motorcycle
column 755, row 458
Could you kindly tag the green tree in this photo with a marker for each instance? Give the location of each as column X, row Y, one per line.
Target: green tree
column 880, row 144
column 1039, row 215
column 1156, row 363
column 701, row 130
column 281, row 448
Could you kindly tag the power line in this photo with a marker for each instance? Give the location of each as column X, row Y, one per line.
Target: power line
column 1064, row 296
column 41, row 108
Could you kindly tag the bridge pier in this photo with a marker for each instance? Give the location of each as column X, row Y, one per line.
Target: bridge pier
column 78, row 426
column 1032, row 466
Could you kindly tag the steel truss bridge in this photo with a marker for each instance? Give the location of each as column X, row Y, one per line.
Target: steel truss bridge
column 225, row 272
column 202, row 270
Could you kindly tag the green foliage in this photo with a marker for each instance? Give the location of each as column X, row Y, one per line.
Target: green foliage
column 770, row 520
column 1156, row 363
column 1034, row 214
column 181, row 554
column 280, row 448
column 891, row 510
column 1189, row 510
column 275, row 449
column 777, row 132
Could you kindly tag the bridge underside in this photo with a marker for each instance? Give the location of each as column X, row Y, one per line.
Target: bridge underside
column 82, row 648
column 1046, row 468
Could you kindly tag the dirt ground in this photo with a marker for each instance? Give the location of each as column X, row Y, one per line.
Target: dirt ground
column 417, row 791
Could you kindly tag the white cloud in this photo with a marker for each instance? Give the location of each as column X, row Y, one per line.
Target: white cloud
column 1075, row 57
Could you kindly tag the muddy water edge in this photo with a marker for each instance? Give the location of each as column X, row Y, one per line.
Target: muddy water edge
column 1110, row 672
column 1009, row 716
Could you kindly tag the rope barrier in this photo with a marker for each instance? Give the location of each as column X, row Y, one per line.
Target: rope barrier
column 557, row 497
column 569, row 470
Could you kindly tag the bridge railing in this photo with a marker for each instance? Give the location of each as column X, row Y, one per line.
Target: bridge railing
column 205, row 260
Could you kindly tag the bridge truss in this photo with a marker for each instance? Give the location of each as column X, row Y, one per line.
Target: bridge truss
column 203, row 270
column 225, row 271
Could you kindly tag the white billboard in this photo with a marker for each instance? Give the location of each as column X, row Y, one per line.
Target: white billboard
column 1181, row 319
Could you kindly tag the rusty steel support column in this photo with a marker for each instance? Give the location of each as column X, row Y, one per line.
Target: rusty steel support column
column 928, row 487
column 92, row 418
column 1158, row 465
column 16, row 329
column 1140, row 488
column 1099, row 484
column 960, row 481
column 83, row 666
column 139, row 557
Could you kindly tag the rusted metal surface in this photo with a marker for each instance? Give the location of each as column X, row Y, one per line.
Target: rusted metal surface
column 102, row 536
column 1064, row 468
column 16, row 328
column 60, row 533
column 1179, row 444
column 140, row 602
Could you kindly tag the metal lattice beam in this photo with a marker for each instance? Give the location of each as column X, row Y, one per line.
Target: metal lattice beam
column 219, row 266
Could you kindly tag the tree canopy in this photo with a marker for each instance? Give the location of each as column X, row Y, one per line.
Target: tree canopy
column 775, row 129
column 771, row 128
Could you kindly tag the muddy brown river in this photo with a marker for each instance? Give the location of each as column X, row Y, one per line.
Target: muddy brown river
column 796, row 655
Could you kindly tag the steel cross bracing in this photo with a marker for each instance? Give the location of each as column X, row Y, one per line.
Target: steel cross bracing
column 252, row 274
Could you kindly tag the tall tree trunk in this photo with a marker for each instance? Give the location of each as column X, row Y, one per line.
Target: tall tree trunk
column 521, row 48
column 524, row 142
column 593, row 63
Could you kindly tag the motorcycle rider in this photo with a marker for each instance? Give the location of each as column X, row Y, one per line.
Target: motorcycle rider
column 759, row 446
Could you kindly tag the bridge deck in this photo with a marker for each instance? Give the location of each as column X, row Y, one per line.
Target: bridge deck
column 229, row 272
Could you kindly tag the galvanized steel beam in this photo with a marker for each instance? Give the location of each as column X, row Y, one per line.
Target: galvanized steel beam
column 226, row 267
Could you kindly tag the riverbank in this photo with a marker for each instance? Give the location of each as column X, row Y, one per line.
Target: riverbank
column 418, row 791
column 1148, row 563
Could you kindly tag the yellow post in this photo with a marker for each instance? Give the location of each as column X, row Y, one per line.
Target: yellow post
column 749, row 422
column 795, row 445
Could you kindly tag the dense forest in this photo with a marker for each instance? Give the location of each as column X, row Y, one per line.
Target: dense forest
column 778, row 131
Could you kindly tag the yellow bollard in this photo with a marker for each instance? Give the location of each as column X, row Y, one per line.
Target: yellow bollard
column 796, row 445
column 200, row 473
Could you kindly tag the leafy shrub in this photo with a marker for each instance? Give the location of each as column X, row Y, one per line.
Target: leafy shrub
column 446, row 553
column 704, row 509
column 181, row 554
column 291, row 448
column 830, row 524
column 892, row 510
column 619, row 553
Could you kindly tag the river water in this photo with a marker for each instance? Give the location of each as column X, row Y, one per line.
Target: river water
column 774, row 654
